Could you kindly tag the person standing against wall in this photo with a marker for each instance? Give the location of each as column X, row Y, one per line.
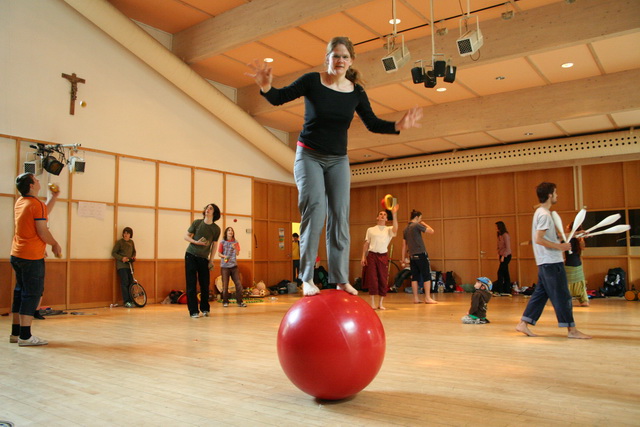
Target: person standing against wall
column 124, row 252
column 295, row 255
column 228, row 250
column 503, row 284
column 28, row 251
column 573, row 268
column 202, row 235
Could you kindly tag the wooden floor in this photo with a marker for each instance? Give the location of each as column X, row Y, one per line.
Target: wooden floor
column 157, row 366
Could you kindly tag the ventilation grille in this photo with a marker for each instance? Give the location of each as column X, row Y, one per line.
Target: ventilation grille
column 566, row 149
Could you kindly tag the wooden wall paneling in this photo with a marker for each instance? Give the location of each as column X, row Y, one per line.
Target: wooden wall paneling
column 596, row 268
column 171, row 276
column 461, row 239
column 602, row 186
column 55, row 284
column 260, row 240
column 527, row 181
column 496, row 194
column 363, row 202
column 522, row 245
column 279, row 270
column 358, row 233
column 261, row 272
column 631, row 175
column 459, row 197
column 528, row 272
column 294, row 212
column 489, row 268
column 423, row 196
column 633, row 274
column 260, row 200
column 7, row 282
column 91, row 283
column 275, row 252
column 355, row 270
column 279, row 203
column 246, row 270
column 433, row 242
column 465, row 271
column 144, row 272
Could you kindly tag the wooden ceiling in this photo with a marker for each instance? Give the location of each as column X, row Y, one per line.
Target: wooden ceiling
column 513, row 89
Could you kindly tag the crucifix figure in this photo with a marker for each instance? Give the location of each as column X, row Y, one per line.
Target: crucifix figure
column 74, row 90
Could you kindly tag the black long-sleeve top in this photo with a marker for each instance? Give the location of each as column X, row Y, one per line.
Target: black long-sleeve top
column 328, row 113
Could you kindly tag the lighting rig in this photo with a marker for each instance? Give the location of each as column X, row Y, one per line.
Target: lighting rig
column 397, row 55
column 438, row 67
column 52, row 158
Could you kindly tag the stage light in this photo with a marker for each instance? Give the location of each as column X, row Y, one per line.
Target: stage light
column 450, row 74
column 76, row 164
column 439, row 68
column 52, row 165
column 430, row 79
column 417, row 74
column 472, row 40
column 397, row 56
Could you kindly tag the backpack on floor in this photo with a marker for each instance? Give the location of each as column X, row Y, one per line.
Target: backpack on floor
column 449, row 282
column 615, row 283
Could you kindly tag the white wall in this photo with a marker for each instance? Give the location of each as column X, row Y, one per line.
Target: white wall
column 130, row 108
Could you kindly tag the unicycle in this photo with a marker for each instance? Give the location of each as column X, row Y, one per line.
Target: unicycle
column 136, row 291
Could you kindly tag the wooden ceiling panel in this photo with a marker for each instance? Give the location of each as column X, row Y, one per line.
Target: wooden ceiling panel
column 473, row 139
column 216, row 7
column 619, row 53
column 454, row 92
column 396, row 97
column 397, row 150
column 376, row 15
column 224, row 70
column 167, row 15
column 517, row 73
column 359, row 156
column 585, row 125
column 434, row 145
column 626, row 119
column 282, row 64
column 281, row 120
column 550, row 64
column 298, row 44
column 326, row 28
column 527, row 133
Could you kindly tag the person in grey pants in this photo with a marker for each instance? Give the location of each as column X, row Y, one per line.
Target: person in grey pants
column 321, row 167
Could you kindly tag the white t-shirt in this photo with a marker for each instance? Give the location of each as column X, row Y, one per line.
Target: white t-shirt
column 542, row 220
column 379, row 237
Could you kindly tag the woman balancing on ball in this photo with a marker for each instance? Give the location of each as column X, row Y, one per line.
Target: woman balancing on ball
column 321, row 168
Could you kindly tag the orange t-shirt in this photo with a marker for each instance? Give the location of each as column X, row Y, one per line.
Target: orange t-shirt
column 26, row 242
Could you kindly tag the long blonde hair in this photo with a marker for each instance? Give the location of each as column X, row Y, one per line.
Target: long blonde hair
column 352, row 74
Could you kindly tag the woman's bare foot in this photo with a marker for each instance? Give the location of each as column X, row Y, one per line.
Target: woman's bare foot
column 574, row 333
column 309, row 289
column 584, row 304
column 347, row 288
column 381, row 308
column 430, row 301
column 524, row 328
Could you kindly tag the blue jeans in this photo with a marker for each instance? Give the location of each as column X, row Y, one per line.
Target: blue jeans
column 324, row 185
column 197, row 270
column 29, row 285
column 552, row 285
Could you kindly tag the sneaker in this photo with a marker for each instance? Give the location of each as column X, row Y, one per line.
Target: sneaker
column 205, row 314
column 129, row 304
column 226, row 304
column 34, row 340
column 13, row 338
column 195, row 315
column 242, row 304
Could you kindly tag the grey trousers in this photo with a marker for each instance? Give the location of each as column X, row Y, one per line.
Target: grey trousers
column 324, row 183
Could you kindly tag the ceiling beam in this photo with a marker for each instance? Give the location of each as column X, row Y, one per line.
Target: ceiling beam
column 588, row 97
column 250, row 22
column 538, row 30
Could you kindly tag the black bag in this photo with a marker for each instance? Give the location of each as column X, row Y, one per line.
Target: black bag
column 436, row 280
column 615, row 283
column 449, row 282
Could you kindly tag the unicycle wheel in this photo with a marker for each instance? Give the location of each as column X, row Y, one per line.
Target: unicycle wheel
column 138, row 294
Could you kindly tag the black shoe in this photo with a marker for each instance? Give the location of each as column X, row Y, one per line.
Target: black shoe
column 37, row 315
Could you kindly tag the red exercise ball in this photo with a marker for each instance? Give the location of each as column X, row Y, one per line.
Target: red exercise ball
column 331, row 345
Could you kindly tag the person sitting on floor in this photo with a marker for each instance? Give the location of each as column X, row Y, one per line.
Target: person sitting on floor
column 479, row 300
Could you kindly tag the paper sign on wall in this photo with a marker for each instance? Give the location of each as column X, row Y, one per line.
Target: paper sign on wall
column 92, row 210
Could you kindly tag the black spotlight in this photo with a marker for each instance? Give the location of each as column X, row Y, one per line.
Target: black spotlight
column 417, row 73
column 450, row 74
column 430, row 79
column 439, row 67
column 52, row 165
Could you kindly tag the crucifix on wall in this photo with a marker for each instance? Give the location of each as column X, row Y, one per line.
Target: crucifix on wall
column 74, row 80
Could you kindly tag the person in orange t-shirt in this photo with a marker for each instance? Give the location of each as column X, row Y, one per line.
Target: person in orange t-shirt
column 28, row 251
